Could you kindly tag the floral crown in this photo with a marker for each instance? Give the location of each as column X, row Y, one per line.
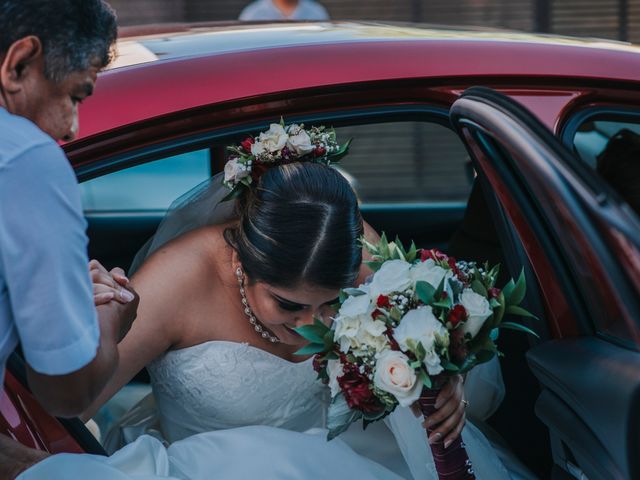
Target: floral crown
column 279, row 145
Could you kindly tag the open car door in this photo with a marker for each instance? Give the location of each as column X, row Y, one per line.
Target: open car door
column 582, row 244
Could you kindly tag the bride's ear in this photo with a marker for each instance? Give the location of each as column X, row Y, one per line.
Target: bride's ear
column 235, row 259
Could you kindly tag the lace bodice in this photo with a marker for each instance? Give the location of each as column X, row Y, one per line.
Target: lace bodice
column 218, row 385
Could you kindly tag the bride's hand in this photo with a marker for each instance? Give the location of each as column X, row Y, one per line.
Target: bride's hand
column 450, row 415
column 109, row 286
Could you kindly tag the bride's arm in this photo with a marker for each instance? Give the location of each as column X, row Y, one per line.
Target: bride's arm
column 161, row 283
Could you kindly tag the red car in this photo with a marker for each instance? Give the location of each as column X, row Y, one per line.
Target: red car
column 536, row 172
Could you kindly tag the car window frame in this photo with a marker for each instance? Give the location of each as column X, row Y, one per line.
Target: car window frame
column 584, row 175
column 572, row 124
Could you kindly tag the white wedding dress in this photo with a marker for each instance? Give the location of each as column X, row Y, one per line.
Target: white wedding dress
column 263, row 415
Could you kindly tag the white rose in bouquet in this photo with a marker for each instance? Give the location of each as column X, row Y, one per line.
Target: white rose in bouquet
column 299, row 140
column 234, row 171
column 354, row 306
column 429, row 272
column 393, row 276
column 346, row 330
column 368, row 342
column 394, row 375
column 373, row 327
column 421, row 325
column 432, row 362
column 334, row 370
column 478, row 310
column 371, row 334
column 271, row 141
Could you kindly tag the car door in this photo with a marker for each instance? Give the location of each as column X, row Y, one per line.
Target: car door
column 583, row 245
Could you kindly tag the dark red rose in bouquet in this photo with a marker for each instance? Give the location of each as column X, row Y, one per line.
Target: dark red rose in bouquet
column 357, row 390
column 246, row 145
column 456, row 315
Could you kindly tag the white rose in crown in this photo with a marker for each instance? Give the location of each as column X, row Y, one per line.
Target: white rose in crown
column 394, row 375
column 393, row 276
column 429, row 272
column 478, row 310
column 271, row 141
column 234, row 171
column 299, row 141
column 421, row 325
column 334, row 370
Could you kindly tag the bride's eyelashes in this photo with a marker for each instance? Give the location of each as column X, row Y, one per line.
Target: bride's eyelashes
column 296, row 307
column 287, row 305
column 290, row 307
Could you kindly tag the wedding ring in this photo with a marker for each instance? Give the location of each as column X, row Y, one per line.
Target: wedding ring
column 465, row 403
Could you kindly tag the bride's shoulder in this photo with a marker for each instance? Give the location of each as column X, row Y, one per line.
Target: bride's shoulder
column 188, row 259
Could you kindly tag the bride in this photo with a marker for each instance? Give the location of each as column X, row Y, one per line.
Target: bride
column 222, row 288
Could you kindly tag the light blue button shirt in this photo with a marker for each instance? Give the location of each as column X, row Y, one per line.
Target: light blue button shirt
column 266, row 10
column 46, row 298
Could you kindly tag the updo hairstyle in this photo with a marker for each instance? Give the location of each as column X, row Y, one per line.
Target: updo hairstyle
column 299, row 224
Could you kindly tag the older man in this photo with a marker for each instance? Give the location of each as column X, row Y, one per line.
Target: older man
column 50, row 54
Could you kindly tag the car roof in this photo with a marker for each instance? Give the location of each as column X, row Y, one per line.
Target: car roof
column 170, row 41
column 168, row 68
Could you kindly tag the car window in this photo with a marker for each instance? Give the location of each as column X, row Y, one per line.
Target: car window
column 406, row 162
column 612, row 148
column 151, row 186
column 394, row 162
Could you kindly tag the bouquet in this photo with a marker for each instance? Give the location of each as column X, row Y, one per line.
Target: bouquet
column 279, row 145
column 421, row 318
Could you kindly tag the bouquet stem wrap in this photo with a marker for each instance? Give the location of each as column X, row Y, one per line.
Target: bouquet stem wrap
column 451, row 463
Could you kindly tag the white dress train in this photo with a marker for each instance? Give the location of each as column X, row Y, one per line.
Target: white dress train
column 266, row 453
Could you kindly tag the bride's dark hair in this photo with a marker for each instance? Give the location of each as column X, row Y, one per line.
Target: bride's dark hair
column 299, row 224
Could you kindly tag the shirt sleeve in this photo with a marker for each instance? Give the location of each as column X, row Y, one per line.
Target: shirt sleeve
column 321, row 13
column 248, row 13
column 43, row 253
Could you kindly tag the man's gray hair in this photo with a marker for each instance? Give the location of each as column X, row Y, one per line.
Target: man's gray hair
column 75, row 34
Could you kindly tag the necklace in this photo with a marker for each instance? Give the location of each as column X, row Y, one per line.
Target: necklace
column 257, row 326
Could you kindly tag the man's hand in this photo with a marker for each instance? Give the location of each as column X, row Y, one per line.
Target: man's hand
column 15, row 458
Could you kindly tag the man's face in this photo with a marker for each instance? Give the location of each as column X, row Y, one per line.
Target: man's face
column 26, row 91
column 53, row 106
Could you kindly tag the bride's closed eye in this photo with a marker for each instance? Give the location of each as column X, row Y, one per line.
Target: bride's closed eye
column 296, row 307
column 289, row 306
